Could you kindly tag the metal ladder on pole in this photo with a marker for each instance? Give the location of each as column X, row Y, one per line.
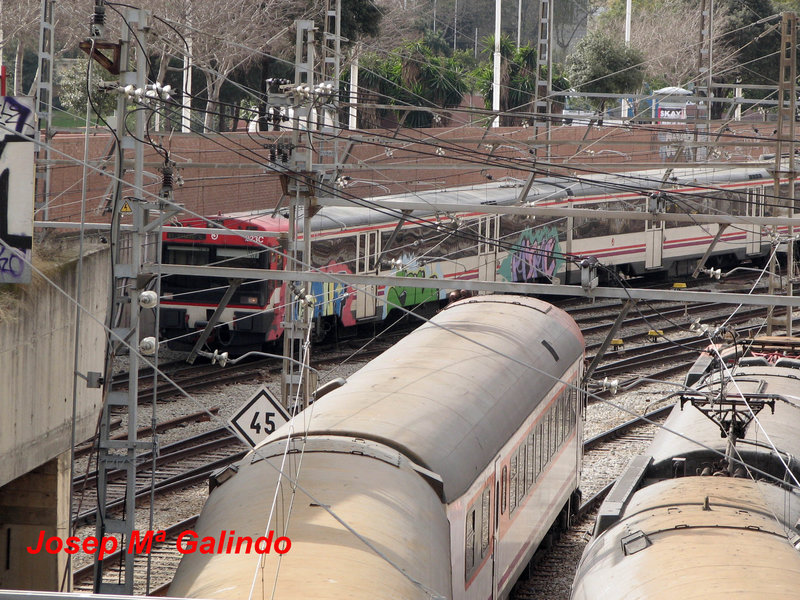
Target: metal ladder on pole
column 785, row 145
column 44, row 103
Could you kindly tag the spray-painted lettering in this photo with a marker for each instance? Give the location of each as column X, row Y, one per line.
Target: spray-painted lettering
column 536, row 254
column 16, row 189
column 410, row 296
column 11, row 264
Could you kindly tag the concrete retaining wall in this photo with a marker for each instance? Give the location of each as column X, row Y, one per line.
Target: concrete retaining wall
column 36, row 367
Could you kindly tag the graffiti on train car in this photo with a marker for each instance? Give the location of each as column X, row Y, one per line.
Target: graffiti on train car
column 537, row 253
column 334, row 297
column 401, row 296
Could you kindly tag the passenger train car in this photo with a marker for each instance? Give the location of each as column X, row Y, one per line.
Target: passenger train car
column 451, row 456
column 453, row 247
column 684, row 521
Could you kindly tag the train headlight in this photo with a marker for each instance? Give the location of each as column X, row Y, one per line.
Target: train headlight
column 253, row 300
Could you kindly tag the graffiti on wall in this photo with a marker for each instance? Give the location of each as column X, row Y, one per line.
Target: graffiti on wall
column 17, row 178
column 536, row 254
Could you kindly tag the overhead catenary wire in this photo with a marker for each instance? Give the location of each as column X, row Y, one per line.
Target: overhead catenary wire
column 298, row 486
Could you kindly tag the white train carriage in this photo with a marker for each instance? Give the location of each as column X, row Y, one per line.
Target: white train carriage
column 457, row 246
column 451, row 455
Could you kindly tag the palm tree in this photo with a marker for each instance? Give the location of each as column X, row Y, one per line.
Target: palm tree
column 517, row 78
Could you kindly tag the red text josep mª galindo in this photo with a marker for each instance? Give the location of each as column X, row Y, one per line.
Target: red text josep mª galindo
column 187, row 542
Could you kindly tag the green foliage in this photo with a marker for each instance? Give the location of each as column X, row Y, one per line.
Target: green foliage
column 71, row 81
column 517, row 76
column 415, row 75
column 757, row 55
column 603, row 65
column 360, row 18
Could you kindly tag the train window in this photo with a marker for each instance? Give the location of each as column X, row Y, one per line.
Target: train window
column 485, row 501
column 245, row 258
column 530, row 463
column 521, row 477
column 547, row 437
column 187, row 255
column 512, row 484
column 336, row 252
column 469, row 545
column 567, row 411
column 540, row 449
column 559, row 420
column 503, row 490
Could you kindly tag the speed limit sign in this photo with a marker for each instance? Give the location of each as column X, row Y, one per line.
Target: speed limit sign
column 259, row 416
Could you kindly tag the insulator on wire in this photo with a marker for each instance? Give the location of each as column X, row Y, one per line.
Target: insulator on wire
column 97, row 22
column 166, row 181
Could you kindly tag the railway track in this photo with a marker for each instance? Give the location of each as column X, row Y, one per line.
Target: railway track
column 87, row 446
column 177, row 465
column 164, row 560
column 600, row 450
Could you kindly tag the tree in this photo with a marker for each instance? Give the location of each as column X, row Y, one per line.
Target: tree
column 570, row 22
column 517, row 78
column 73, row 92
column 667, row 34
column 753, row 47
column 604, row 65
column 414, row 75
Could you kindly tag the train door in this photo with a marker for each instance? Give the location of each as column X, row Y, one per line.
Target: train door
column 654, row 252
column 500, row 487
column 755, row 208
column 366, row 253
column 488, row 235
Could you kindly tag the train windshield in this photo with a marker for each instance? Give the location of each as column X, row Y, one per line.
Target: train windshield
column 195, row 288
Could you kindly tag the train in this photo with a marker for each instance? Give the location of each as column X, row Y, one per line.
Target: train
column 711, row 509
column 433, row 472
column 456, row 246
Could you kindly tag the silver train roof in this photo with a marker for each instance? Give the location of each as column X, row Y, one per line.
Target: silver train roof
column 451, row 394
column 505, row 193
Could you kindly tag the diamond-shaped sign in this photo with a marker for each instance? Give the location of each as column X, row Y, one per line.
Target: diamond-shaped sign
column 258, row 417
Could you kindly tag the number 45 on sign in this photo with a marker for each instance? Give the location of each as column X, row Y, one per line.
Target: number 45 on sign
column 258, row 417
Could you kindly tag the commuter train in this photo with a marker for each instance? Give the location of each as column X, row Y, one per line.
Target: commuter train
column 452, row 247
column 433, row 472
column 686, row 521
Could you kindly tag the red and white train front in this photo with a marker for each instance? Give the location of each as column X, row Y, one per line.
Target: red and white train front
column 253, row 313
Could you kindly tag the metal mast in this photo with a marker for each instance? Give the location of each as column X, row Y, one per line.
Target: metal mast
column 543, row 104
column 705, row 61
column 785, row 145
column 44, row 99
column 299, row 184
column 121, row 454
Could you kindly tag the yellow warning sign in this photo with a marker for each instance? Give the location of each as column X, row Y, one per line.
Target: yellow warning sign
column 126, row 208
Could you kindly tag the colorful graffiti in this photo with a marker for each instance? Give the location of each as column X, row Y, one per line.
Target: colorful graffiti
column 537, row 253
column 333, row 297
column 400, row 297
